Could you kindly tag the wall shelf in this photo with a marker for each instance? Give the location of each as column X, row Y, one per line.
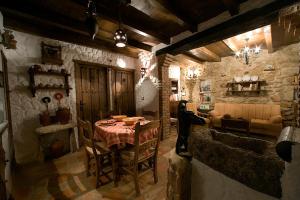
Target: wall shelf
column 246, row 88
column 34, row 87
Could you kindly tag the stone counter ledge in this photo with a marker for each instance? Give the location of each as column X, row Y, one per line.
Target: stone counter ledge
column 250, row 161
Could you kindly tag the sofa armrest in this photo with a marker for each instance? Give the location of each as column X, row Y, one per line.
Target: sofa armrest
column 213, row 113
column 276, row 119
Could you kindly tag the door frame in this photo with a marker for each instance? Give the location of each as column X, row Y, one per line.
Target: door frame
column 79, row 63
column 7, row 99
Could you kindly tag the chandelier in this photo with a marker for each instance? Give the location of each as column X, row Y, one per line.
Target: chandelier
column 245, row 54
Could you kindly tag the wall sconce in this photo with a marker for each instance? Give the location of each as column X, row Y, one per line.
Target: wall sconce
column 183, row 91
column 8, row 40
column 192, row 73
column 143, row 72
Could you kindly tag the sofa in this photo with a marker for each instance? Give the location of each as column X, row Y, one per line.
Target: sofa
column 264, row 118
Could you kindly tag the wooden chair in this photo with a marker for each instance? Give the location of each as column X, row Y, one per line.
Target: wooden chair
column 141, row 155
column 150, row 115
column 95, row 151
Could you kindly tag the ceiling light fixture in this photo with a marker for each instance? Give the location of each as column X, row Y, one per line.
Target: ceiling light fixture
column 120, row 36
column 246, row 53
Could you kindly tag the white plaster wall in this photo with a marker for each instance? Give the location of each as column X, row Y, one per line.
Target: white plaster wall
column 25, row 109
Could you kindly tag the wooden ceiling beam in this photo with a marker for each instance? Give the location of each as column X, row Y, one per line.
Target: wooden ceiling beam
column 206, row 54
column 68, row 24
column 133, row 19
column 192, row 57
column 232, row 6
column 56, row 33
column 250, row 20
column 169, row 5
column 268, row 39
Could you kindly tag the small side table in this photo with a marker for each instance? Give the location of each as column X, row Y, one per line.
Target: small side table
column 235, row 123
column 41, row 131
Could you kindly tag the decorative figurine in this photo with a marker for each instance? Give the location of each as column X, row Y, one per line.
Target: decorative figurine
column 185, row 119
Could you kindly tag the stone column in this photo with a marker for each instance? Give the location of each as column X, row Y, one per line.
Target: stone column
column 163, row 63
column 179, row 178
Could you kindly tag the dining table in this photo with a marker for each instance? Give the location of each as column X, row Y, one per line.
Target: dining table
column 116, row 135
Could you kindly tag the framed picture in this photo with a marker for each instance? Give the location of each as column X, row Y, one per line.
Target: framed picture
column 51, row 54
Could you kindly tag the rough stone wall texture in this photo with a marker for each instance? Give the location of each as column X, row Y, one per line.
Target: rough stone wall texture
column 279, row 82
column 147, row 94
column 25, row 109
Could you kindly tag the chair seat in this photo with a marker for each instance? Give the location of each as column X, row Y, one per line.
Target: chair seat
column 127, row 156
column 101, row 148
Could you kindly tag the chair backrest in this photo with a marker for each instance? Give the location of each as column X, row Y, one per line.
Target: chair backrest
column 150, row 145
column 150, row 114
column 86, row 134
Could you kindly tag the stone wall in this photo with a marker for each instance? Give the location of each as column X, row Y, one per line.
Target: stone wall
column 25, row 109
column 147, row 92
column 280, row 88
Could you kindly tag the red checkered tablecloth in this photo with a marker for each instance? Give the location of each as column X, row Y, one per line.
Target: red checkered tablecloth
column 118, row 133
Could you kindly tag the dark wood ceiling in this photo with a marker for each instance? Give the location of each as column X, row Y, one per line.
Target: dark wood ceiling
column 146, row 22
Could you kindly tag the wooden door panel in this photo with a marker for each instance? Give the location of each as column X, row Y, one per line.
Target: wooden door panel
column 86, row 96
column 102, row 91
column 118, row 86
column 131, row 99
column 124, row 92
column 96, row 95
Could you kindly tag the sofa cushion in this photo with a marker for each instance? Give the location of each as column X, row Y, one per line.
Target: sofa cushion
column 275, row 119
column 259, row 123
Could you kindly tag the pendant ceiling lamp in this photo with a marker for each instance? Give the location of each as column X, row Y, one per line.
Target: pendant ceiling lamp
column 91, row 20
column 120, row 36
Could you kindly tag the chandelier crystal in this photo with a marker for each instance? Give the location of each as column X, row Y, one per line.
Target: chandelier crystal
column 245, row 54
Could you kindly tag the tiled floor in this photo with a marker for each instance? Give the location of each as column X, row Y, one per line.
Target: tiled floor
column 65, row 178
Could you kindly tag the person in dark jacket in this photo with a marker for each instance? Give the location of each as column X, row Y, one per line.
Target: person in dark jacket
column 185, row 119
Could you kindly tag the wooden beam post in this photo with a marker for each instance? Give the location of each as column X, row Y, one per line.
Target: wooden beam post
column 232, row 6
column 19, row 24
column 192, row 57
column 70, row 25
column 250, row 20
column 206, row 54
column 268, row 39
column 169, row 5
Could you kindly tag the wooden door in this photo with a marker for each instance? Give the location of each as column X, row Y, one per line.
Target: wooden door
column 124, row 93
column 91, row 89
column 103, row 89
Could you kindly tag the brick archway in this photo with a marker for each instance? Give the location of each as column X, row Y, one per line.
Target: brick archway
column 163, row 62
